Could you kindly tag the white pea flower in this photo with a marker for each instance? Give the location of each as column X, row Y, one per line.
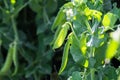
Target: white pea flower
column 70, row 14
column 116, row 35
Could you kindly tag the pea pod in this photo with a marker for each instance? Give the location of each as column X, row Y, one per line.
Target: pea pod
column 56, row 34
column 113, row 44
column 61, row 16
column 111, row 50
column 61, row 37
column 15, row 61
column 65, row 54
column 8, row 62
column 59, row 19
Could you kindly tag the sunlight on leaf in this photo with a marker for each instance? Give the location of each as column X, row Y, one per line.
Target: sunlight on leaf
column 13, row 2
column 83, row 45
column 86, row 63
column 109, row 20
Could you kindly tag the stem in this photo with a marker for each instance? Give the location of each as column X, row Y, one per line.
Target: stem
column 73, row 31
column 88, row 26
column 92, row 49
column 19, row 9
column 14, row 28
column 46, row 18
column 6, row 5
column 92, row 73
column 84, row 74
column 16, row 39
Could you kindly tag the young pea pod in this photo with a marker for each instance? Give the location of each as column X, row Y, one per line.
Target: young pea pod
column 56, row 34
column 111, row 50
column 61, row 16
column 11, row 57
column 61, row 36
column 65, row 54
column 59, row 19
column 113, row 44
column 8, row 62
column 15, row 61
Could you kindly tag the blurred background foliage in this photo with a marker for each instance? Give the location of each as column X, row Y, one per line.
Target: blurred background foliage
column 33, row 20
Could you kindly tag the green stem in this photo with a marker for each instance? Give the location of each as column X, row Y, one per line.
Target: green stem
column 16, row 39
column 73, row 31
column 46, row 18
column 92, row 49
column 92, row 73
column 19, row 9
column 14, row 28
column 88, row 26
column 6, row 5
column 84, row 74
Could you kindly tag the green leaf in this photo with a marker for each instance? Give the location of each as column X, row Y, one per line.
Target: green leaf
column 76, row 76
column 92, row 62
column 109, row 20
column 65, row 54
column 95, row 41
column 100, row 54
column 35, row 6
column 76, row 53
column 83, row 44
column 78, row 27
column 110, row 72
column 51, row 6
column 93, row 13
column 61, row 37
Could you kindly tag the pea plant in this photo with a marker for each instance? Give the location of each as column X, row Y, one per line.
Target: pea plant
column 25, row 35
column 89, row 30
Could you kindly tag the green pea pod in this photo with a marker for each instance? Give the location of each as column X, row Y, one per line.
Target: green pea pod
column 8, row 62
column 15, row 61
column 65, row 54
column 61, row 37
column 113, row 44
column 59, row 19
column 111, row 50
column 56, row 34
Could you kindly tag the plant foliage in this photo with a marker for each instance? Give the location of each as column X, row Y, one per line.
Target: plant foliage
column 93, row 39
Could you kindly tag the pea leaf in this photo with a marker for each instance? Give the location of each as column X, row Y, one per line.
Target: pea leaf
column 76, row 53
column 110, row 72
column 109, row 20
column 76, row 76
